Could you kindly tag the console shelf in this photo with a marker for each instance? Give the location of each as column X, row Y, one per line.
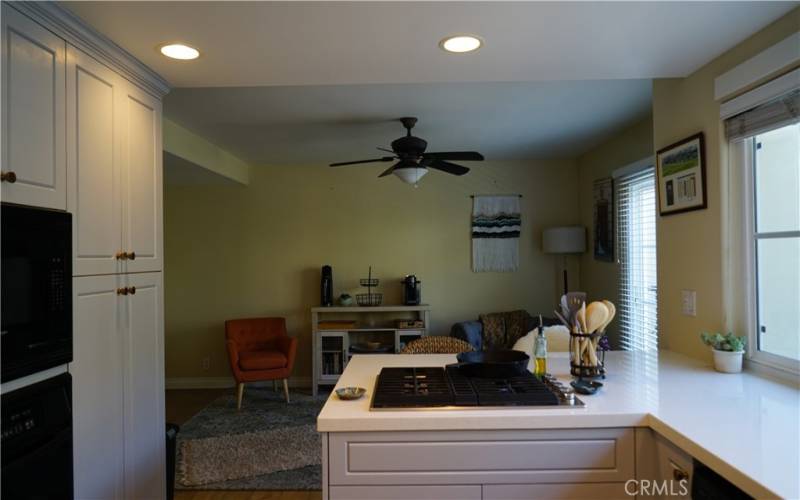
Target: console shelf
column 331, row 345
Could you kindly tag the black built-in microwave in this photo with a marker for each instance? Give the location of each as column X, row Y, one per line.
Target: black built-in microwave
column 36, row 251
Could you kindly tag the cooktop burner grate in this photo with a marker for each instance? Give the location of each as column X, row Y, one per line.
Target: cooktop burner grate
column 433, row 387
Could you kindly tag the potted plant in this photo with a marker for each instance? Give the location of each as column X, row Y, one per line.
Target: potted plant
column 728, row 351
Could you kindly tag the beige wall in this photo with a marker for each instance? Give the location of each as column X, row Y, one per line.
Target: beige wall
column 691, row 246
column 598, row 278
column 256, row 251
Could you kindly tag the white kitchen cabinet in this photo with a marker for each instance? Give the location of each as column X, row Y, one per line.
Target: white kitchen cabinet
column 142, row 186
column 118, row 388
column 667, row 468
column 33, row 166
column 486, row 457
column 114, row 165
column 463, row 492
column 143, row 347
column 97, row 388
column 94, row 156
column 562, row 491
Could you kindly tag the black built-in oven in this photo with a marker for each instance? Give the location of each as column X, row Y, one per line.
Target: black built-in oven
column 36, row 250
column 37, row 441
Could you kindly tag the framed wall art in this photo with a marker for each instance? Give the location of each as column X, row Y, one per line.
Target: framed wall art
column 681, row 176
column 603, row 203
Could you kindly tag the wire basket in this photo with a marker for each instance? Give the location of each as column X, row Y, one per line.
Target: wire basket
column 585, row 358
column 369, row 299
column 369, row 282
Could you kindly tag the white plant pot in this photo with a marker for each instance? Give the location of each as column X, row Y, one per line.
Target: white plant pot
column 728, row 361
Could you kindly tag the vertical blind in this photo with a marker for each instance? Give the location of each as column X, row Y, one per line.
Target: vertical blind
column 636, row 234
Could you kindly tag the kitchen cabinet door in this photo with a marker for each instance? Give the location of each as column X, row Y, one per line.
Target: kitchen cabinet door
column 466, row 492
column 93, row 162
column 97, row 388
column 142, row 188
column 562, row 491
column 144, row 387
column 33, row 166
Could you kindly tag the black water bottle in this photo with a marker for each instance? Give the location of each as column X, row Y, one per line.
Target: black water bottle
column 326, row 286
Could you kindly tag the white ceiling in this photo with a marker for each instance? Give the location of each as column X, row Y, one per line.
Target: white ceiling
column 326, row 43
column 307, row 82
column 323, row 124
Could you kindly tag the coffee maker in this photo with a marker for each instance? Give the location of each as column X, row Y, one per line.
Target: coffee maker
column 412, row 291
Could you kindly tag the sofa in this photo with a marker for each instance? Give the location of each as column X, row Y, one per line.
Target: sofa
column 514, row 324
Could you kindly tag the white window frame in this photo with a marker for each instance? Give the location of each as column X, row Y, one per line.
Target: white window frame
column 754, row 355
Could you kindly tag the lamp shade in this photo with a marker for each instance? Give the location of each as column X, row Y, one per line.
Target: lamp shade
column 410, row 175
column 566, row 239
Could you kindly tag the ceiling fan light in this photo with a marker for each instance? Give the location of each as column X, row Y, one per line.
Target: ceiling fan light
column 410, row 175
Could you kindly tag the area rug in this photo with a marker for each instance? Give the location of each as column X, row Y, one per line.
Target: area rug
column 221, row 448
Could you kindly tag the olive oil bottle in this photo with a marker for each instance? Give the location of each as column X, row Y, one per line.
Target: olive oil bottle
column 540, row 352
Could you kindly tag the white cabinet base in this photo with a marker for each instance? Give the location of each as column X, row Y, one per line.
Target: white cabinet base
column 501, row 464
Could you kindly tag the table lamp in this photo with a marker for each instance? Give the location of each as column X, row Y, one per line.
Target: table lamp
column 564, row 240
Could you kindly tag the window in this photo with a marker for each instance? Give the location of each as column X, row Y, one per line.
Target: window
column 636, row 216
column 775, row 240
column 765, row 153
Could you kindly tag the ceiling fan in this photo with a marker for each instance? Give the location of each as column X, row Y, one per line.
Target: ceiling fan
column 414, row 162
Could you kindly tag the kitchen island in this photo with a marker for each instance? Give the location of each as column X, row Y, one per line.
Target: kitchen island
column 743, row 426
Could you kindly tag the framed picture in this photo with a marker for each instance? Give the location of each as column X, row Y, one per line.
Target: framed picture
column 603, row 201
column 681, row 176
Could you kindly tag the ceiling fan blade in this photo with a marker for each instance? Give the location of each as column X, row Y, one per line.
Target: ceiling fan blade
column 384, row 149
column 374, row 160
column 445, row 166
column 454, row 155
column 388, row 171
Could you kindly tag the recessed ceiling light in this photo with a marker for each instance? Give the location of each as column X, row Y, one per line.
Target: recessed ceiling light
column 180, row 51
column 461, row 43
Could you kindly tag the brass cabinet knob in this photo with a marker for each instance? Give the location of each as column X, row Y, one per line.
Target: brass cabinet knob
column 132, row 290
column 679, row 474
column 9, row 177
column 122, row 291
column 121, row 256
column 131, row 255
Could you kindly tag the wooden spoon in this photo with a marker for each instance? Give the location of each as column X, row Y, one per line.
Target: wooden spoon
column 612, row 311
column 596, row 316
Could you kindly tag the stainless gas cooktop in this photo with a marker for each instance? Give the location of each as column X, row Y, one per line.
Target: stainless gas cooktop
column 448, row 388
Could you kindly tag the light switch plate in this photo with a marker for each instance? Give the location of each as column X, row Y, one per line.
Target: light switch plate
column 689, row 302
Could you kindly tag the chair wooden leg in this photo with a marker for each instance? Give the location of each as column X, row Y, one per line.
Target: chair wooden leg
column 286, row 388
column 239, row 394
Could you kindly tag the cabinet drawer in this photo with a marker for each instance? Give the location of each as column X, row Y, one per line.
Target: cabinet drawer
column 405, row 492
column 595, row 491
column 474, row 457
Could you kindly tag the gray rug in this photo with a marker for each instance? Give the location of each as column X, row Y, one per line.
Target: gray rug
column 262, row 410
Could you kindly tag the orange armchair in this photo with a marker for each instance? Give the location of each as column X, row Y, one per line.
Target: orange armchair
column 259, row 349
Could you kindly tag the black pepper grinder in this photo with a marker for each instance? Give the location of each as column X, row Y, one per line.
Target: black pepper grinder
column 326, row 286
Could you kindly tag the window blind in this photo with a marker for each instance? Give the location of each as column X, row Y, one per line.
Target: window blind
column 636, row 236
column 781, row 111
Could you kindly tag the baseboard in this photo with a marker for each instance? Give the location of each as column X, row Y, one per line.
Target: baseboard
column 224, row 382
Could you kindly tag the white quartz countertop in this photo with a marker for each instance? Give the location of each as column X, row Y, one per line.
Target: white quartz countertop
column 744, row 426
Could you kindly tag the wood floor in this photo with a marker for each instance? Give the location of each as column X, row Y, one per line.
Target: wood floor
column 180, row 405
